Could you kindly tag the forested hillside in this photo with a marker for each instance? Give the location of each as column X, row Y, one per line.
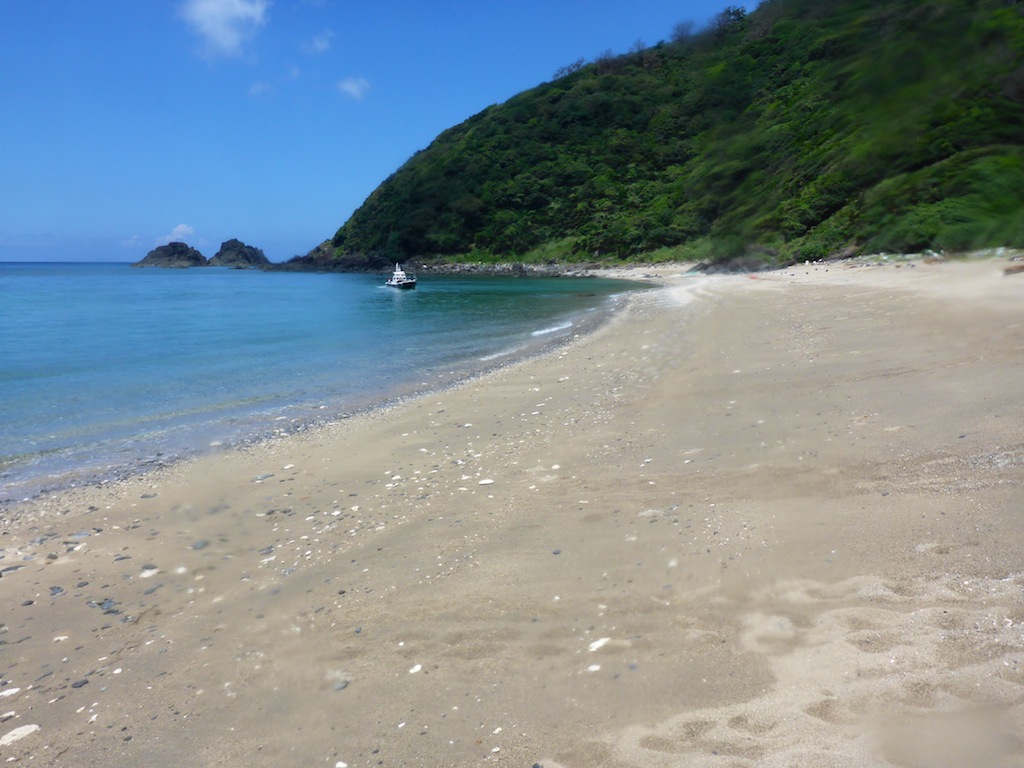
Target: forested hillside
column 803, row 129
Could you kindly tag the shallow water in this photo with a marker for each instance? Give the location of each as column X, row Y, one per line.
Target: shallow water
column 103, row 366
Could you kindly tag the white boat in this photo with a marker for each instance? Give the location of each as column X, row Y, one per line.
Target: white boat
column 399, row 279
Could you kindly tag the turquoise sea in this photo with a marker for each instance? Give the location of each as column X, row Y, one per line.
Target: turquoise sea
column 105, row 368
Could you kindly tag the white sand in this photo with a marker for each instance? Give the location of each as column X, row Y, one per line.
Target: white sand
column 770, row 520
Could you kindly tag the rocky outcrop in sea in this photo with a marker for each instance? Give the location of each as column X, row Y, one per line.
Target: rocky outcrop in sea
column 174, row 255
column 237, row 255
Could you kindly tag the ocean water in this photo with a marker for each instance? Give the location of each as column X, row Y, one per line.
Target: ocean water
column 104, row 367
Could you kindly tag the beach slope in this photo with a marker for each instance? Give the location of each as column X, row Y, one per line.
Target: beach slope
column 766, row 520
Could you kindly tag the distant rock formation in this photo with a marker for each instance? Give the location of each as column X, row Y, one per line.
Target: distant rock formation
column 174, row 255
column 237, row 255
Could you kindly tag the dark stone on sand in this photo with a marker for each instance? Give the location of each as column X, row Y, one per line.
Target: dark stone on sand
column 237, row 255
column 107, row 606
column 201, row 544
column 173, row 255
column 80, row 683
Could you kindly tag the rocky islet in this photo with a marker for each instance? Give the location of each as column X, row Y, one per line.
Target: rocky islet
column 233, row 253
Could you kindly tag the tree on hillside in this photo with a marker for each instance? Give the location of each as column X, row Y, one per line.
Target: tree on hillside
column 727, row 18
column 607, row 62
column 569, row 69
column 682, row 31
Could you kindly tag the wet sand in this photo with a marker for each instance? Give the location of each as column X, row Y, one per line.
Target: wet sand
column 753, row 521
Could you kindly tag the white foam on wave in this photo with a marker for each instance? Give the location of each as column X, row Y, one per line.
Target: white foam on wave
column 553, row 329
column 688, row 290
column 497, row 355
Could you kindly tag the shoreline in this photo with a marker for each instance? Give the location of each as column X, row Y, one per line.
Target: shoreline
column 122, row 458
column 750, row 520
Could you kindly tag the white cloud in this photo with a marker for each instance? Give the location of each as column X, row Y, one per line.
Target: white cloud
column 178, row 234
column 319, row 44
column 356, row 87
column 259, row 88
column 224, row 25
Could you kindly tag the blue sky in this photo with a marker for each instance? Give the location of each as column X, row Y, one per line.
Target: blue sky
column 128, row 123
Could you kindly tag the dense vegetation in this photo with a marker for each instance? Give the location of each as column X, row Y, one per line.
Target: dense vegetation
column 803, row 129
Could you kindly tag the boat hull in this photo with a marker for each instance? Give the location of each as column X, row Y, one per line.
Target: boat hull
column 399, row 279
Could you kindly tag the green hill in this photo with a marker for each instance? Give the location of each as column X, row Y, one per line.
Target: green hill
column 803, row 129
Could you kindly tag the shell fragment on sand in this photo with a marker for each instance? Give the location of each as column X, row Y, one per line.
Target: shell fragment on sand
column 17, row 734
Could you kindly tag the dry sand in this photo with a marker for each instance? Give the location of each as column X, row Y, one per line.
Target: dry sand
column 769, row 521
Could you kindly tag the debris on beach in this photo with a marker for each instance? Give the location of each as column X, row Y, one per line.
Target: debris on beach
column 17, row 734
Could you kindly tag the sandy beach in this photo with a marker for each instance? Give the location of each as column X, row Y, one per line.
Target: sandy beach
column 764, row 520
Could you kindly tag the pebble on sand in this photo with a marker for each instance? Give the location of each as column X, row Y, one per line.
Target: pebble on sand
column 18, row 733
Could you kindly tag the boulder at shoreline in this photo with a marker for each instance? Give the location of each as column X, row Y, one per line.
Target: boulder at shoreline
column 174, row 255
